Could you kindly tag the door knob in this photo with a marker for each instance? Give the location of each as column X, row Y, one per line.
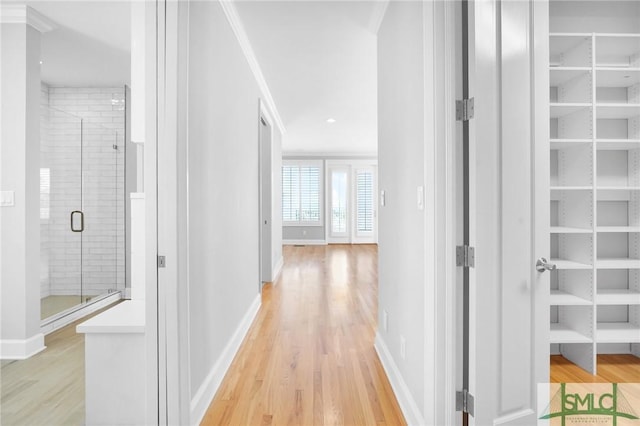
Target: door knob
column 543, row 264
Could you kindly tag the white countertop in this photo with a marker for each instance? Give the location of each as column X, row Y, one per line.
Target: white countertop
column 126, row 317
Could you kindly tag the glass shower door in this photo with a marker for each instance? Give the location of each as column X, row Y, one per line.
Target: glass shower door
column 82, row 209
column 103, row 207
column 60, row 212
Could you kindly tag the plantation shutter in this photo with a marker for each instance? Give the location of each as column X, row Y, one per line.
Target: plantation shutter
column 310, row 193
column 301, row 193
column 364, row 192
column 290, row 193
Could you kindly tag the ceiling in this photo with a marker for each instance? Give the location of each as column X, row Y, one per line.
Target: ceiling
column 319, row 61
column 90, row 45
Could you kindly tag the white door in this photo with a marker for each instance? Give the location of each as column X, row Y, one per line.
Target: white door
column 266, row 263
column 509, row 209
column 352, row 204
column 339, row 201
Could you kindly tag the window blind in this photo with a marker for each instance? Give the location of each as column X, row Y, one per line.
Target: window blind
column 364, row 191
column 300, row 193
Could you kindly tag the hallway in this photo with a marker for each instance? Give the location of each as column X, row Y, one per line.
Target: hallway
column 309, row 357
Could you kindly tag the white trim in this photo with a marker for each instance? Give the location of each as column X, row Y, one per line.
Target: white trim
column 63, row 319
column 22, row 14
column 514, row 416
column 209, row 387
column 304, row 242
column 21, row 348
column 379, row 10
column 329, row 155
column 407, row 404
column 277, row 268
column 231, row 13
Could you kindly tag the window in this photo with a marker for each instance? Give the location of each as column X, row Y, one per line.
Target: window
column 301, row 193
column 364, row 190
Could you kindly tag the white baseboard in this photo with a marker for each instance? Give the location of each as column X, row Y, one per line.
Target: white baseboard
column 277, row 269
column 21, row 348
column 200, row 402
column 408, row 405
column 304, row 242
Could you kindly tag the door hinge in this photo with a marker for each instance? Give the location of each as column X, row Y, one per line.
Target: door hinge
column 464, row 110
column 464, row 402
column 162, row 262
column 465, row 256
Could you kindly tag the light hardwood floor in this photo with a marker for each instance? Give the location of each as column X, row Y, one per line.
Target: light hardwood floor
column 611, row 369
column 308, row 359
column 48, row 388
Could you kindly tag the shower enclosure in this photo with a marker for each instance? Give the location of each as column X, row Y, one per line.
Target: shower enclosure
column 82, row 200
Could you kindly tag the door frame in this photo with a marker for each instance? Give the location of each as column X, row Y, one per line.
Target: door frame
column 264, row 114
column 350, row 166
column 442, row 209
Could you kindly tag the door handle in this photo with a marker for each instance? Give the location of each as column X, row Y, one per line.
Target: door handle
column 543, row 264
column 81, row 221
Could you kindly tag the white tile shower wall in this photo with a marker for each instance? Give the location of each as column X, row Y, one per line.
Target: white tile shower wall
column 86, row 174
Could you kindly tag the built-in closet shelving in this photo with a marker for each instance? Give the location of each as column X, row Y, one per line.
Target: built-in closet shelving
column 595, row 195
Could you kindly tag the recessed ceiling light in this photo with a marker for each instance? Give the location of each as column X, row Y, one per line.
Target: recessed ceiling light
column 40, row 62
column 331, row 120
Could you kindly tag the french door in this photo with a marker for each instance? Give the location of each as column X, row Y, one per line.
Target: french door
column 351, row 204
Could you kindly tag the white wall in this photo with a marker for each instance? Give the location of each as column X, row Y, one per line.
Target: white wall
column 276, row 197
column 19, row 158
column 588, row 16
column 223, row 189
column 401, row 170
column 418, row 79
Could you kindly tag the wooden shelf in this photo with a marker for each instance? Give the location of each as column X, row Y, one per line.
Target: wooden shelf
column 617, row 297
column 568, row 143
column 618, row 263
column 569, row 264
column 617, row 77
column 617, row 111
column 562, row 109
column 617, row 332
column 617, row 144
column 558, row 297
column 569, row 230
column 561, row 333
column 618, row 229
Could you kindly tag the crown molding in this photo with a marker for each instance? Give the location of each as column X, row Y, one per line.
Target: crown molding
column 377, row 15
column 23, row 14
column 231, row 13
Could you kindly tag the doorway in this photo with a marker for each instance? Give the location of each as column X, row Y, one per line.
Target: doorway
column 351, row 202
column 266, row 211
